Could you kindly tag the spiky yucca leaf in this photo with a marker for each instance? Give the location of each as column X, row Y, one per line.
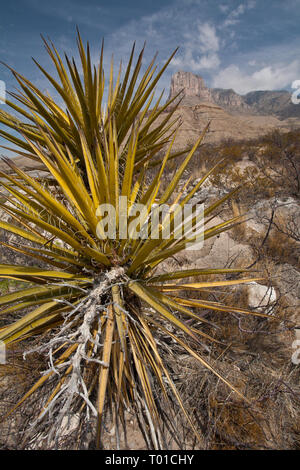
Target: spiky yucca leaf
column 100, row 301
column 84, row 108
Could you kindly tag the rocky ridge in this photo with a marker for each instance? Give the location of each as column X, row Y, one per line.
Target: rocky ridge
column 194, row 91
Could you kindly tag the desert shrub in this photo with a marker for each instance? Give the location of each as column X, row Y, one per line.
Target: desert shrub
column 98, row 311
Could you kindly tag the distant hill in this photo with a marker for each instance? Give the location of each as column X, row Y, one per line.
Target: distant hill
column 263, row 103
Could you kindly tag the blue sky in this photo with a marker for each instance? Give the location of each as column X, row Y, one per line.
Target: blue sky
column 245, row 45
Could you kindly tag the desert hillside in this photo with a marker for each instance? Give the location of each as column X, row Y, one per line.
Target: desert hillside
column 223, row 124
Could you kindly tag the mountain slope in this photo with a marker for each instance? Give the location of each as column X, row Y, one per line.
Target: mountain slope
column 264, row 103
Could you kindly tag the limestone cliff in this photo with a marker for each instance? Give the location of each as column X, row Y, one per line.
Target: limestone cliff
column 194, row 91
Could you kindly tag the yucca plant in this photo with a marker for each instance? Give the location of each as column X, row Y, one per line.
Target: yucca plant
column 103, row 310
column 81, row 97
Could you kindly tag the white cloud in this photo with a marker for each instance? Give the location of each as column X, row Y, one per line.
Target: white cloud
column 208, row 39
column 224, row 8
column 207, row 61
column 273, row 77
column 200, row 49
column 234, row 15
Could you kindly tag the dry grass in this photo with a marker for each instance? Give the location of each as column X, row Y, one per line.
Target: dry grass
column 258, row 362
column 281, row 248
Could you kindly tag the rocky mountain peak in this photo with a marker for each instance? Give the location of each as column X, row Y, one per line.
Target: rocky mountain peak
column 266, row 103
column 194, row 92
column 192, row 87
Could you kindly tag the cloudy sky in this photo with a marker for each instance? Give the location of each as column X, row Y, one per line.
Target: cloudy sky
column 245, row 45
